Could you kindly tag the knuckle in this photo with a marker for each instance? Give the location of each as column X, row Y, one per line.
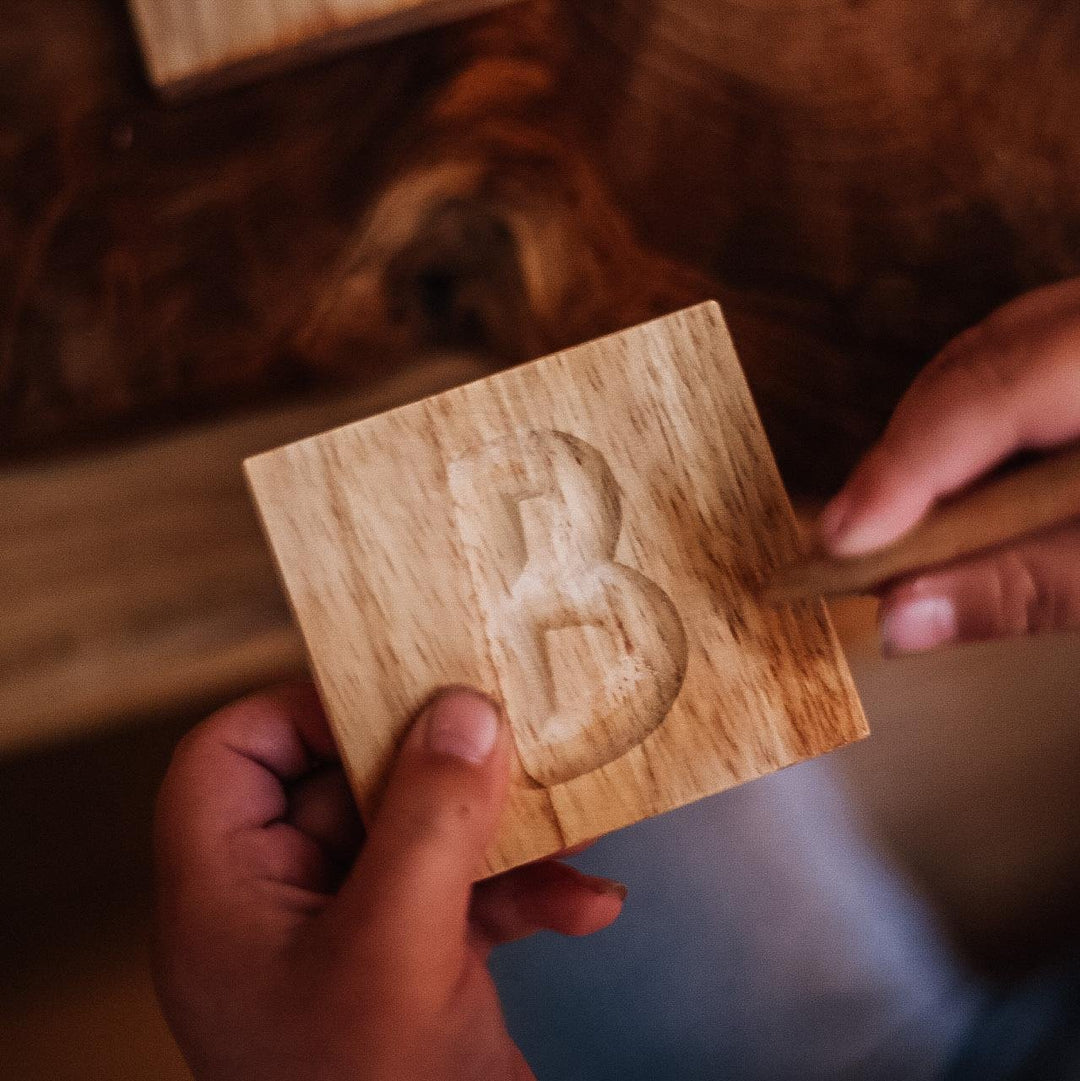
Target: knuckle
column 216, row 728
column 969, row 340
column 977, row 361
column 1023, row 603
column 190, row 745
column 246, row 712
column 966, row 342
column 982, row 371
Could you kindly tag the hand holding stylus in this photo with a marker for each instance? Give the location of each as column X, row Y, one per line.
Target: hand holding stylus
column 1010, row 384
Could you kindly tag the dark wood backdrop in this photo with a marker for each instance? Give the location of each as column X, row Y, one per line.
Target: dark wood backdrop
column 856, row 179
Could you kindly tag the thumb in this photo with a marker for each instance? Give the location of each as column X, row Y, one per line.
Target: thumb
column 1024, row 589
column 411, row 885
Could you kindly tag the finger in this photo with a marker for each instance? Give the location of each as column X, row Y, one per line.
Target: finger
column 979, row 402
column 1025, row 589
column 426, row 845
column 547, row 896
column 322, row 807
column 226, row 783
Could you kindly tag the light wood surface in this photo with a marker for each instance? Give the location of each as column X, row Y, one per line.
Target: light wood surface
column 195, row 43
column 583, row 538
column 1025, row 501
column 137, row 582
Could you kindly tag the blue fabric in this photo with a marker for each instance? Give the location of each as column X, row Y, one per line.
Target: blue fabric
column 763, row 938
column 1028, row 1033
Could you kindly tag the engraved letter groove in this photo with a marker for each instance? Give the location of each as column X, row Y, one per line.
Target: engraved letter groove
column 591, row 653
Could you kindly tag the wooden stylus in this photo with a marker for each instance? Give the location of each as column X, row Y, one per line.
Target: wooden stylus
column 1026, row 500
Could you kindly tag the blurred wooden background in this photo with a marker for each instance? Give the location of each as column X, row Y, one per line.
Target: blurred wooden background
column 855, row 180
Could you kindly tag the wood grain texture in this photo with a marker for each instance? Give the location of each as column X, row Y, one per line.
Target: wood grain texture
column 137, row 582
column 583, row 538
column 189, row 44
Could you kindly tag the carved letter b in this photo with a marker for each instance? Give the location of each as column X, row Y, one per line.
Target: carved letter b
column 590, row 653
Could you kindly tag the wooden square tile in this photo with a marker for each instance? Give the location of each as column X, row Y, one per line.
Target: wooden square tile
column 581, row 537
column 196, row 44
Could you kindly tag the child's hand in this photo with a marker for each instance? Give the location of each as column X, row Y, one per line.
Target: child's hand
column 1010, row 384
column 282, row 954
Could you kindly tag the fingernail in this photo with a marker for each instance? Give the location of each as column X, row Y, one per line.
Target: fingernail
column 462, row 725
column 918, row 625
column 846, row 531
column 859, row 536
column 834, row 518
column 607, row 888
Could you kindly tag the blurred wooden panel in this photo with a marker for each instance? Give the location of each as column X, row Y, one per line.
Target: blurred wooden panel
column 155, row 262
column 900, row 160
column 882, row 173
column 188, row 43
column 138, row 581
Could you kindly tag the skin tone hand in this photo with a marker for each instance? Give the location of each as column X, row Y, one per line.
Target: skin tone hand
column 287, row 948
column 1010, row 384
